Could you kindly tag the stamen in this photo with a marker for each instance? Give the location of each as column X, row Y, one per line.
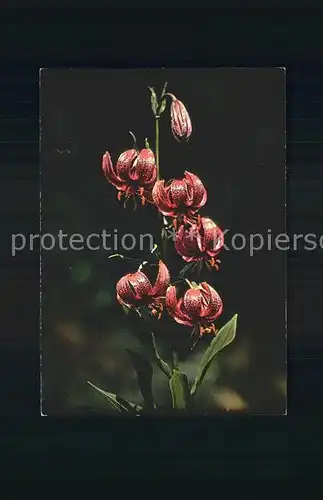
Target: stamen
column 208, row 329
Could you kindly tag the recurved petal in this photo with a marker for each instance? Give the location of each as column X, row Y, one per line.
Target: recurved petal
column 149, row 182
column 193, row 302
column 213, row 236
column 179, row 242
column 178, row 192
column 175, row 308
column 125, row 163
column 110, row 174
column 187, row 242
column 146, row 165
column 214, row 302
column 125, row 294
column 197, row 192
column 161, row 198
column 162, row 281
column 134, row 287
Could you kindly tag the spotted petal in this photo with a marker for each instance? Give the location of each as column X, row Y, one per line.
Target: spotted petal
column 188, row 243
column 178, row 192
column 193, row 302
column 175, row 308
column 146, row 167
column 198, row 193
column 162, row 281
column 212, row 235
column 110, row 173
column 161, row 198
column 133, row 288
column 149, row 182
column 214, row 302
column 125, row 165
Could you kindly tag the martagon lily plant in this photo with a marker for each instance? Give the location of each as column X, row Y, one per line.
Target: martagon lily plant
column 198, row 240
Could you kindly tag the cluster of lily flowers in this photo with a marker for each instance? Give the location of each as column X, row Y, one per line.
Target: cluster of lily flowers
column 197, row 239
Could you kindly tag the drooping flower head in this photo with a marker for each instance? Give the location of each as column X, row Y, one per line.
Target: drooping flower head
column 200, row 240
column 181, row 124
column 180, row 196
column 135, row 290
column 199, row 306
column 134, row 174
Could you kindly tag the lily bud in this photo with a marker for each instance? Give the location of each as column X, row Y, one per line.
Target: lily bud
column 181, row 124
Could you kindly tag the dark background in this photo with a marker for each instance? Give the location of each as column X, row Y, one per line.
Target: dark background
column 238, row 149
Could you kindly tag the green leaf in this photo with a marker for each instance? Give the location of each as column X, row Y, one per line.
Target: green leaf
column 179, row 389
column 153, row 100
column 162, row 106
column 147, row 146
column 116, row 402
column 224, row 337
column 144, row 376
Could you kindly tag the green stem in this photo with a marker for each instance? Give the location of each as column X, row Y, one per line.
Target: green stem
column 157, row 145
column 163, row 241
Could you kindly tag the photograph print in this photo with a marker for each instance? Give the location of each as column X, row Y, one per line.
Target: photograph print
column 163, row 280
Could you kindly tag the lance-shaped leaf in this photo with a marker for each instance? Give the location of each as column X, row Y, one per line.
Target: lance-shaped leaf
column 179, row 389
column 153, row 100
column 224, row 337
column 118, row 403
column 144, row 376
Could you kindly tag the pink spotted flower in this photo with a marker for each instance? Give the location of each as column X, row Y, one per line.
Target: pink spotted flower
column 180, row 197
column 200, row 240
column 135, row 290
